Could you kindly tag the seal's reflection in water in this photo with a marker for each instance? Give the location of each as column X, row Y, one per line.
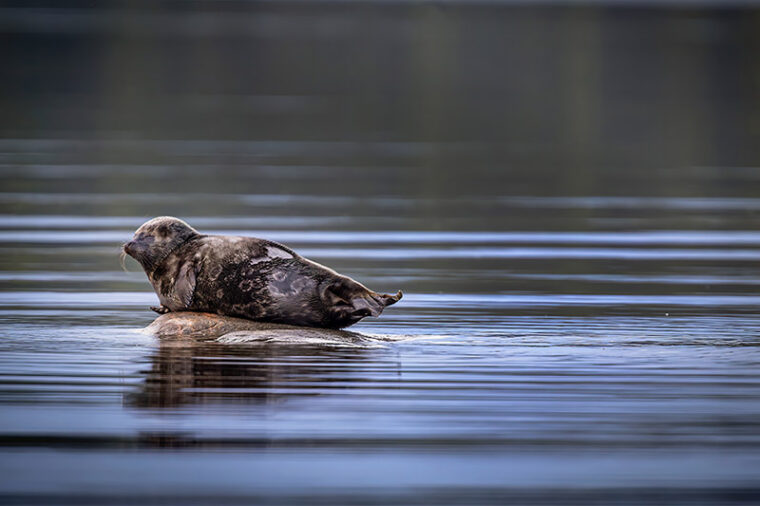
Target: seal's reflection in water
column 203, row 373
column 253, row 373
column 205, row 358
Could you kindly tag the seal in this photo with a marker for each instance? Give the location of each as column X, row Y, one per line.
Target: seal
column 246, row 277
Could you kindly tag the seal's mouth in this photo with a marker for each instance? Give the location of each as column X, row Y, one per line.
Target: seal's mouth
column 126, row 249
column 135, row 249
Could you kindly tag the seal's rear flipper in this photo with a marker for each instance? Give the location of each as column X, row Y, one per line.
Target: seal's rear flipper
column 349, row 302
column 389, row 300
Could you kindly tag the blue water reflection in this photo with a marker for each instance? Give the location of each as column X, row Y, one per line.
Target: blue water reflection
column 567, row 196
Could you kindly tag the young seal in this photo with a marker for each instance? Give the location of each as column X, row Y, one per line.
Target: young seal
column 247, row 278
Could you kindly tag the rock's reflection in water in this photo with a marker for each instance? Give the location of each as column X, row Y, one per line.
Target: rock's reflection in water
column 202, row 373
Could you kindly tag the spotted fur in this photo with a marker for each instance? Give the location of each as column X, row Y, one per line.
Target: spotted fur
column 247, row 277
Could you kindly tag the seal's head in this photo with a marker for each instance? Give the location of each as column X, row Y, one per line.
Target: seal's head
column 156, row 239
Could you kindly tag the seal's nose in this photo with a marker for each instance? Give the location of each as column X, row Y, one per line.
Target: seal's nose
column 129, row 247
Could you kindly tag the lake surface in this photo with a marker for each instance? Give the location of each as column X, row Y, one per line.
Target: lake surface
column 579, row 255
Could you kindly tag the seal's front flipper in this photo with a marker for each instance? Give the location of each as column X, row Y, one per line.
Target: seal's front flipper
column 160, row 309
column 184, row 286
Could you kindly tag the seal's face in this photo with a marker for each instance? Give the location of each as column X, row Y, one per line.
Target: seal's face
column 155, row 239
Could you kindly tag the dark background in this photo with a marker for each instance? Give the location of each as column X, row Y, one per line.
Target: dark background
column 575, row 92
column 567, row 194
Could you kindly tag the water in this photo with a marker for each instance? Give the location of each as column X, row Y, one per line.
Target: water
column 572, row 218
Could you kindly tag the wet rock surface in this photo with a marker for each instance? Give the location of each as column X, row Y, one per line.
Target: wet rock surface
column 186, row 326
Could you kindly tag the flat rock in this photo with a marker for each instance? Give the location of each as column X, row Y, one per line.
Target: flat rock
column 208, row 327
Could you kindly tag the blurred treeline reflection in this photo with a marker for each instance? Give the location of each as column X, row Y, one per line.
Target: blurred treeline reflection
column 570, row 97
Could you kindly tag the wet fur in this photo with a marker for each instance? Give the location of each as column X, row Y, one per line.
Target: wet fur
column 247, row 277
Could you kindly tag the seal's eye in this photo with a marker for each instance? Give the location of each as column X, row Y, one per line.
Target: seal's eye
column 144, row 239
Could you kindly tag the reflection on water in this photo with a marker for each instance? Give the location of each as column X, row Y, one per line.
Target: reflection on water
column 567, row 196
column 208, row 374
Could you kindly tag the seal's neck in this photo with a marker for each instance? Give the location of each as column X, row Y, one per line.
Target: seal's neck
column 170, row 248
